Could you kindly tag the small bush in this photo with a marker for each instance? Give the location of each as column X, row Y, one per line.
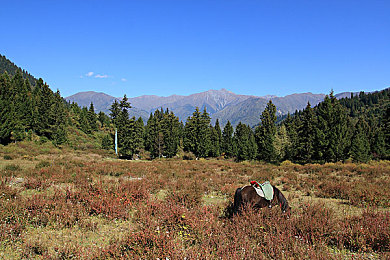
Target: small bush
column 8, row 157
column 12, row 167
column 42, row 164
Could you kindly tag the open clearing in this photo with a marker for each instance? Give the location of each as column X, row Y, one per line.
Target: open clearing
column 85, row 205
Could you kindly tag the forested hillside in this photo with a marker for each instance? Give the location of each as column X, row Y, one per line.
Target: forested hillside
column 355, row 128
column 37, row 113
column 8, row 66
column 335, row 130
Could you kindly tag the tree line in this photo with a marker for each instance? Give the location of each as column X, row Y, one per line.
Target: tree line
column 354, row 128
column 27, row 111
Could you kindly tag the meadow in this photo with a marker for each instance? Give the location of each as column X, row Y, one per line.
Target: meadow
column 72, row 204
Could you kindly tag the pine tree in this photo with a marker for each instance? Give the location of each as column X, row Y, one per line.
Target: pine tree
column 154, row 141
column 57, row 120
column 292, row 124
column 107, row 142
column 132, row 137
column 204, row 134
column 7, row 113
column 103, row 119
column 115, row 111
column 246, row 148
column 216, row 139
column 228, row 147
column 265, row 134
column 92, row 119
column 360, row 150
column 171, row 134
column 197, row 134
column 306, row 135
column 386, row 131
column 84, row 122
column 282, row 143
column 332, row 133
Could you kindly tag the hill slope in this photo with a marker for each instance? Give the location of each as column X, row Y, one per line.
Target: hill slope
column 8, row 66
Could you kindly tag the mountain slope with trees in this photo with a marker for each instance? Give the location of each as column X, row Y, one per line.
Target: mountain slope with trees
column 8, row 66
column 355, row 128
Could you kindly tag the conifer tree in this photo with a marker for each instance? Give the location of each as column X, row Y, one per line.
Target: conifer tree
column 204, row 134
column 386, row 131
column 306, row 134
column 132, row 137
column 92, row 119
column 171, row 134
column 332, row 134
column 216, row 139
column 265, row 134
column 282, row 143
column 197, row 133
column 360, row 150
column 291, row 124
column 246, row 148
column 228, row 147
column 103, row 119
column 107, row 142
column 153, row 135
column 44, row 101
column 7, row 113
column 115, row 111
column 84, row 122
column 57, row 120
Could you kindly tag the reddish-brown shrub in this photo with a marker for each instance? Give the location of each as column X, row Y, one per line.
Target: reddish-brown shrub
column 370, row 231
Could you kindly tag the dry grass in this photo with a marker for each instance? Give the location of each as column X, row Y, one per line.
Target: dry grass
column 82, row 205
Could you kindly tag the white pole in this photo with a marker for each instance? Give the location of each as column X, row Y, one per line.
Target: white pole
column 116, row 141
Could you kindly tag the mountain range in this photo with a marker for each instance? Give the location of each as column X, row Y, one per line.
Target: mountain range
column 222, row 104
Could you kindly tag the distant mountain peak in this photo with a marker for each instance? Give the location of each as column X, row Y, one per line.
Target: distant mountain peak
column 222, row 104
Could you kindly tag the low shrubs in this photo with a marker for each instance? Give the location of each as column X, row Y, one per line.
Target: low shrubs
column 83, row 195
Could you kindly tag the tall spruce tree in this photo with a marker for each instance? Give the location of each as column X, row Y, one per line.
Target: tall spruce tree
column 228, row 147
column 360, row 149
column 7, row 111
column 84, row 122
column 128, row 130
column 154, row 138
column 282, row 143
column 92, row 119
column 171, row 134
column 386, row 131
column 332, row 133
column 265, row 134
column 58, row 120
column 246, row 148
column 306, row 135
column 216, row 139
column 292, row 124
column 197, row 133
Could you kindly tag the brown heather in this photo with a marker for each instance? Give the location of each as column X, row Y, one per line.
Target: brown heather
column 82, row 205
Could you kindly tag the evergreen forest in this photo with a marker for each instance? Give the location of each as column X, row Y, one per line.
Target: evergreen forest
column 356, row 128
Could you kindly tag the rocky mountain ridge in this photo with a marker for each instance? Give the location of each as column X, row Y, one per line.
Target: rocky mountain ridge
column 222, row 104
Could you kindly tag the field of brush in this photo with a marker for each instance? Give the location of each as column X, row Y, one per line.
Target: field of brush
column 67, row 204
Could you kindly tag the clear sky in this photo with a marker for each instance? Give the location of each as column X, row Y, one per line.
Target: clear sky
column 163, row 47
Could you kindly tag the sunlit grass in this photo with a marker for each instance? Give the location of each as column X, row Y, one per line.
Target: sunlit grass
column 89, row 205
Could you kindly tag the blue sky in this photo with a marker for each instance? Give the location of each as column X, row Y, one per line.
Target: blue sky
column 256, row 47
